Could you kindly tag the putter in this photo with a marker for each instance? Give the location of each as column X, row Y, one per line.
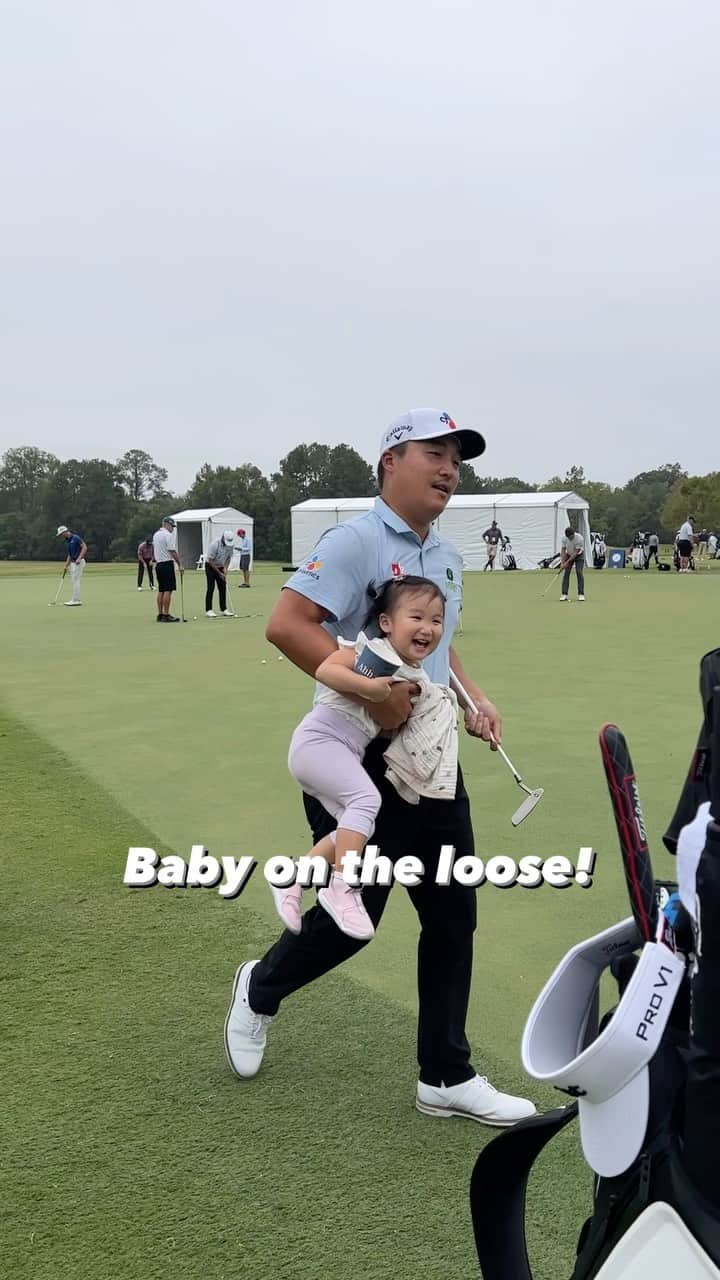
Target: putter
column 552, row 581
column 533, row 796
column 57, row 593
column 182, row 596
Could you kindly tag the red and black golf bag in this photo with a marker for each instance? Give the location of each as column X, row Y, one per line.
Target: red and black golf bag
column 661, row 1215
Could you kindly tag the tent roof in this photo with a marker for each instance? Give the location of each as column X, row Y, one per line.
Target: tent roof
column 560, row 499
column 564, row 499
column 333, row 504
column 212, row 513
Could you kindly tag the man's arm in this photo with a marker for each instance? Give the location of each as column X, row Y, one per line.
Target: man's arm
column 83, row 551
column 487, row 721
column 295, row 627
column 176, row 558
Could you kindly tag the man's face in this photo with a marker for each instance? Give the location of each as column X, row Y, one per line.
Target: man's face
column 424, row 477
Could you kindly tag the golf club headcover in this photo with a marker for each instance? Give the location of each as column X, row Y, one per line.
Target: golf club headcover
column 690, row 844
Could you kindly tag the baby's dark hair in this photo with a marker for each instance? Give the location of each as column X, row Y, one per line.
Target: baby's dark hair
column 390, row 592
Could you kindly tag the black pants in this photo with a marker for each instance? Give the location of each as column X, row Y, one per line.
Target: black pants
column 447, row 923
column 579, row 564
column 652, row 551
column 214, row 577
column 145, row 564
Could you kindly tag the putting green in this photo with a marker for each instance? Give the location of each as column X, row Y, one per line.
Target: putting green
column 121, row 731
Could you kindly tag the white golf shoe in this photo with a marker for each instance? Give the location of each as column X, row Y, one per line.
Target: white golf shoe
column 475, row 1099
column 228, row 613
column 245, row 1031
column 210, row 613
column 563, row 597
column 581, row 597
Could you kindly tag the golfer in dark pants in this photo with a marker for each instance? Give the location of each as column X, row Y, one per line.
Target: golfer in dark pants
column 216, row 566
column 327, row 597
column 572, row 553
column 145, row 556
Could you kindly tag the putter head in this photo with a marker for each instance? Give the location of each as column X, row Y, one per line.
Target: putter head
column 527, row 806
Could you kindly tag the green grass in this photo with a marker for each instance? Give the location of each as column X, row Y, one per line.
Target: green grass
column 129, row 1151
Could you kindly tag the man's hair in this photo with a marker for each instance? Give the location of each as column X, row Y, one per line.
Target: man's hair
column 391, row 592
column 399, row 450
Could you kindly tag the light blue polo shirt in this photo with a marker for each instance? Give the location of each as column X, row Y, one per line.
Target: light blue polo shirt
column 356, row 557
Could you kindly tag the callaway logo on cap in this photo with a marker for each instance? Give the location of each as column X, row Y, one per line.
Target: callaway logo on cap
column 431, row 424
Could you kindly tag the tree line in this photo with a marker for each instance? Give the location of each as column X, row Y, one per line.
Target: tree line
column 114, row 505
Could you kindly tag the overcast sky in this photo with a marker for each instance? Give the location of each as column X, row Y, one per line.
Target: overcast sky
column 230, row 227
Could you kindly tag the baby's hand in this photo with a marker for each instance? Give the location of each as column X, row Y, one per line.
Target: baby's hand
column 379, row 688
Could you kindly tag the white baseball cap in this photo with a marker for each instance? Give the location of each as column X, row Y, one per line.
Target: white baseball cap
column 228, row 538
column 608, row 1076
column 431, row 424
column 62, row 528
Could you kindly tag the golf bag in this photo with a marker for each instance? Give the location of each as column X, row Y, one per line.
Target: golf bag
column 676, row 561
column 551, row 562
column 499, row 1180
column 507, row 558
column 599, row 551
column 638, row 557
column 660, row 1215
column 696, row 789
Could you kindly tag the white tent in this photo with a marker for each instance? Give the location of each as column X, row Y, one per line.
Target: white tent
column 534, row 523
column 197, row 529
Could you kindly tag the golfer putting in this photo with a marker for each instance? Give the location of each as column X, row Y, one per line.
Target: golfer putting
column 74, row 562
column 329, row 597
column 572, row 554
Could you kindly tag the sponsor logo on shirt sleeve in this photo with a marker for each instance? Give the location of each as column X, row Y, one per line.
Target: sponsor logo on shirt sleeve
column 311, row 568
